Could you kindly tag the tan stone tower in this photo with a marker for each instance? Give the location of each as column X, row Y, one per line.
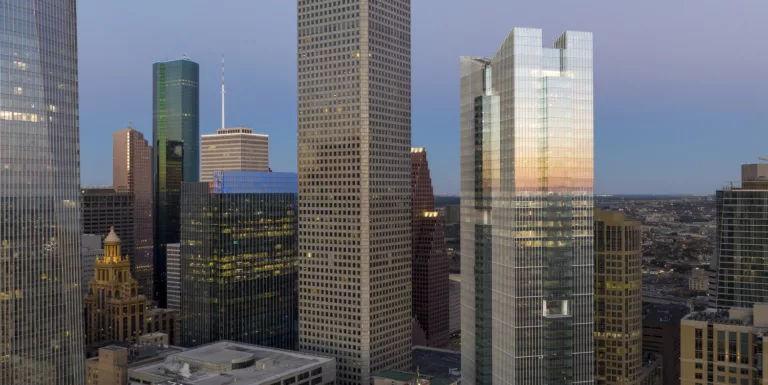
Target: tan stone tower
column 618, row 299
column 114, row 309
column 354, row 142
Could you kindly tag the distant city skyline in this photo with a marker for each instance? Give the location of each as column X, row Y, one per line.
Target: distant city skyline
column 658, row 127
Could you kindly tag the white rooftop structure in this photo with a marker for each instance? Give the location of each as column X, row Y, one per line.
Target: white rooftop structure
column 227, row 362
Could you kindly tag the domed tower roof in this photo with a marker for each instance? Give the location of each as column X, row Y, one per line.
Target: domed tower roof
column 112, row 237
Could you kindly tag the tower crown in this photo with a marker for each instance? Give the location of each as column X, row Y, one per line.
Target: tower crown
column 112, row 247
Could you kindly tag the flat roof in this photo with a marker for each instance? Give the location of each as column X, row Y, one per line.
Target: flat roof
column 435, row 362
column 263, row 364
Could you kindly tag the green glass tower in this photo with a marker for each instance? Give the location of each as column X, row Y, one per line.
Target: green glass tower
column 176, row 140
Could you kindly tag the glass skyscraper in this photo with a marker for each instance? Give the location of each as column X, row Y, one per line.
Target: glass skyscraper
column 41, row 305
column 354, row 139
column 239, row 251
column 740, row 263
column 176, row 141
column 527, row 212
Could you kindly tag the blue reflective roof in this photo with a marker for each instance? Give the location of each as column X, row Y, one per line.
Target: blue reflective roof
column 239, row 182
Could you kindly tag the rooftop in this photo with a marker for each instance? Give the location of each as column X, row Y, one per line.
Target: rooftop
column 663, row 313
column 716, row 316
column 229, row 362
column 141, row 354
column 437, row 362
column 400, row 376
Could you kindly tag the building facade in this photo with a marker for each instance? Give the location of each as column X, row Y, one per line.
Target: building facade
column 162, row 321
column 618, row 299
column 233, row 149
column 430, row 261
column 41, row 333
column 132, row 171
column 724, row 347
column 114, row 308
column 239, row 270
column 173, row 262
column 661, row 336
column 104, row 208
column 454, row 303
column 109, row 368
column 527, row 212
column 90, row 250
column 354, row 139
column 176, row 142
column 741, row 220
column 699, row 280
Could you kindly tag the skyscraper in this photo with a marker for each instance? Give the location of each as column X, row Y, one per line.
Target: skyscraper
column 527, row 211
column 41, row 318
column 740, row 224
column 103, row 208
column 114, row 308
column 354, row 78
column 430, row 261
column 618, row 299
column 132, row 171
column 233, row 149
column 176, row 141
column 239, row 270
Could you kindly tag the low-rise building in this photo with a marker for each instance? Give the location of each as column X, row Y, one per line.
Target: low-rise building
column 159, row 320
column 724, row 347
column 699, row 280
column 661, row 335
column 154, row 338
column 111, row 365
column 226, row 362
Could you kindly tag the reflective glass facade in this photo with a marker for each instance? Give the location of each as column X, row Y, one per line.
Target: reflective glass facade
column 41, row 317
column 176, row 141
column 740, row 263
column 239, row 272
column 354, row 144
column 527, row 212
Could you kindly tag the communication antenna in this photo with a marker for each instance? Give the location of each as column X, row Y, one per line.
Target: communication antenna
column 223, row 91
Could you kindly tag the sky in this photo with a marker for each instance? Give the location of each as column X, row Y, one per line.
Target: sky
column 680, row 85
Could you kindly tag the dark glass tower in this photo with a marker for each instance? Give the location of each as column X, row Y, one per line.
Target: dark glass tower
column 176, row 140
column 41, row 318
column 239, row 251
column 430, row 261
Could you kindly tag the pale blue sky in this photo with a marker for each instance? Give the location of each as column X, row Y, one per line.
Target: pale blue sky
column 680, row 85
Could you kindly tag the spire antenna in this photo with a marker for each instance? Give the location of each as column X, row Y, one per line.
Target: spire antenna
column 222, row 92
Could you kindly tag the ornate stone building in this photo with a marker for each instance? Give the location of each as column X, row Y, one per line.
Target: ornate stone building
column 114, row 309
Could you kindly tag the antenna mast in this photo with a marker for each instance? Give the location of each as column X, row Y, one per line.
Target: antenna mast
column 222, row 92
